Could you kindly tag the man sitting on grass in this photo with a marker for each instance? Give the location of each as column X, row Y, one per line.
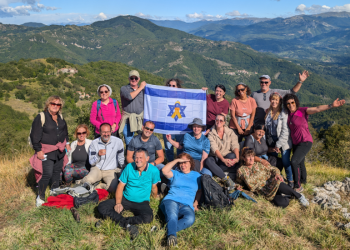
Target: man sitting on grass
column 137, row 181
column 149, row 142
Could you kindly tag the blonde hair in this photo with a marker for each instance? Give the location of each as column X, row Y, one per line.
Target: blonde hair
column 53, row 98
column 82, row 126
column 273, row 96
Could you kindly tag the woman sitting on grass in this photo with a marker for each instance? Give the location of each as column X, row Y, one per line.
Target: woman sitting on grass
column 78, row 166
column 266, row 181
column 183, row 197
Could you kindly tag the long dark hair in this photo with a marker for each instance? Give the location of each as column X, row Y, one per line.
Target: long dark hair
column 290, row 97
column 178, row 82
column 249, row 92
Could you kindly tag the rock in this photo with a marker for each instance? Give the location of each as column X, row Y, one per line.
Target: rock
column 346, row 226
column 344, row 210
column 339, row 224
column 346, row 215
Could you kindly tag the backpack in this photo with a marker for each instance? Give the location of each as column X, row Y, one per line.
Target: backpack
column 214, row 195
column 98, row 106
column 42, row 119
column 81, row 190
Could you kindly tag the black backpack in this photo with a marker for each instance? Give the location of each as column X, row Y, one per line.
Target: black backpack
column 214, row 195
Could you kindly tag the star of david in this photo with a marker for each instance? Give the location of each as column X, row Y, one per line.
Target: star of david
column 177, row 111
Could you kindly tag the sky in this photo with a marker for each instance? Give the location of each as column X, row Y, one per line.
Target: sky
column 88, row 11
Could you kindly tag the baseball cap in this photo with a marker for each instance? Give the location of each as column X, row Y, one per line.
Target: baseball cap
column 134, row 73
column 265, row 76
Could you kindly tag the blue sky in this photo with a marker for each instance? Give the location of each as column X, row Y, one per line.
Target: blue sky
column 88, row 11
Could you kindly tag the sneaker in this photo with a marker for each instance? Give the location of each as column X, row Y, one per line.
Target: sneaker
column 133, row 230
column 291, row 184
column 303, row 201
column 172, row 241
column 98, row 224
column 299, row 190
column 229, row 184
column 39, row 202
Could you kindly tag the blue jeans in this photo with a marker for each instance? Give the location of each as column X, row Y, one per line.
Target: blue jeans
column 128, row 135
column 206, row 171
column 169, row 149
column 177, row 216
column 286, row 163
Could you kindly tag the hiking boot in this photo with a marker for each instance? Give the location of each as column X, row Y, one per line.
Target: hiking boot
column 303, row 201
column 75, row 214
column 39, row 202
column 171, row 241
column 299, row 190
column 229, row 184
column 291, row 184
column 98, row 224
column 133, row 230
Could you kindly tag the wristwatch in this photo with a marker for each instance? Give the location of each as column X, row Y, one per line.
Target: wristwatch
column 330, row 106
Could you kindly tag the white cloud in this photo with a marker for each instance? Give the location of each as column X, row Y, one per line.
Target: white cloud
column 316, row 9
column 101, row 16
column 236, row 13
column 140, row 14
column 23, row 10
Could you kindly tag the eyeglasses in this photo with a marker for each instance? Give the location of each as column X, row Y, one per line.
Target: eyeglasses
column 220, row 120
column 82, row 133
column 106, row 91
column 134, row 78
column 261, row 82
column 290, row 103
column 56, row 104
column 240, row 90
column 150, row 129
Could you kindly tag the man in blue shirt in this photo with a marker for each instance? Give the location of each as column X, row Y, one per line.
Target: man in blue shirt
column 136, row 183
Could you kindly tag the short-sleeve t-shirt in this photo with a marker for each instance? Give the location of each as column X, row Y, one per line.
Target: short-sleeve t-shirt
column 259, row 148
column 214, row 108
column 263, row 102
column 299, row 128
column 183, row 187
column 242, row 109
column 138, row 187
column 195, row 147
column 131, row 105
column 152, row 145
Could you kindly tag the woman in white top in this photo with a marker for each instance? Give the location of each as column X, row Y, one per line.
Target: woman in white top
column 78, row 165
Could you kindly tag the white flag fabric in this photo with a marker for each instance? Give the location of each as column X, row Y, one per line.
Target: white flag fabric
column 172, row 109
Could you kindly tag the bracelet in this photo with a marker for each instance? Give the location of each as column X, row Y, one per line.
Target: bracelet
column 118, row 204
column 300, row 82
column 260, row 159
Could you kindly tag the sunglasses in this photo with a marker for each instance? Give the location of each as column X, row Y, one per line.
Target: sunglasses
column 240, row 90
column 220, row 120
column 56, row 104
column 264, row 96
column 261, row 82
column 106, row 91
column 290, row 103
column 134, row 78
column 172, row 85
column 150, row 129
column 82, row 133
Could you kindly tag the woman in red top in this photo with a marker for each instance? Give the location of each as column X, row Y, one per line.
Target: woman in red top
column 242, row 111
column 105, row 110
column 301, row 137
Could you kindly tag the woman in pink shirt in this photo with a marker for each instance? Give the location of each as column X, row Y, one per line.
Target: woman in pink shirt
column 105, row 110
column 301, row 137
column 242, row 110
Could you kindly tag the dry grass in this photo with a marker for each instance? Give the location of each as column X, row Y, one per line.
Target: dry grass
column 247, row 225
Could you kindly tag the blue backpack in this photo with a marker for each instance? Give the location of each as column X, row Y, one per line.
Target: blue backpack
column 99, row 106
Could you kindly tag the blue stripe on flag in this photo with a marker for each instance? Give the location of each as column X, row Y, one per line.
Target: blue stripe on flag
column 175, row 94
column 169, row 126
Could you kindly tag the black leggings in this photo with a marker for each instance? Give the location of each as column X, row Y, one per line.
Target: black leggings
column 298, row 162
column 217, row 167
column 142, row 211
column 283, row 201
column 51, row 171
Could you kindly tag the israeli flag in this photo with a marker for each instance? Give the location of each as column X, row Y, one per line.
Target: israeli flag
column 172, row 109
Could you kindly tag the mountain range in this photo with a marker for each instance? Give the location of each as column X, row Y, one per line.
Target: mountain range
column 322, row 37
column 165, row 52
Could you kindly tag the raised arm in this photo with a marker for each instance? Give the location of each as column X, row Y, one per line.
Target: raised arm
column 174, row 143
column 335, row 104
column 138, row 90
column 302, row 78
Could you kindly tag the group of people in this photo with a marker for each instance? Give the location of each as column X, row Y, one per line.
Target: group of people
column 264, row 124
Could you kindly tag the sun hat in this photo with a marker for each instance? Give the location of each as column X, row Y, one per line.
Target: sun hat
column 197, row 121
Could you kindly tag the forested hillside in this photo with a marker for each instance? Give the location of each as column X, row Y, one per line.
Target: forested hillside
column 165, row 52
